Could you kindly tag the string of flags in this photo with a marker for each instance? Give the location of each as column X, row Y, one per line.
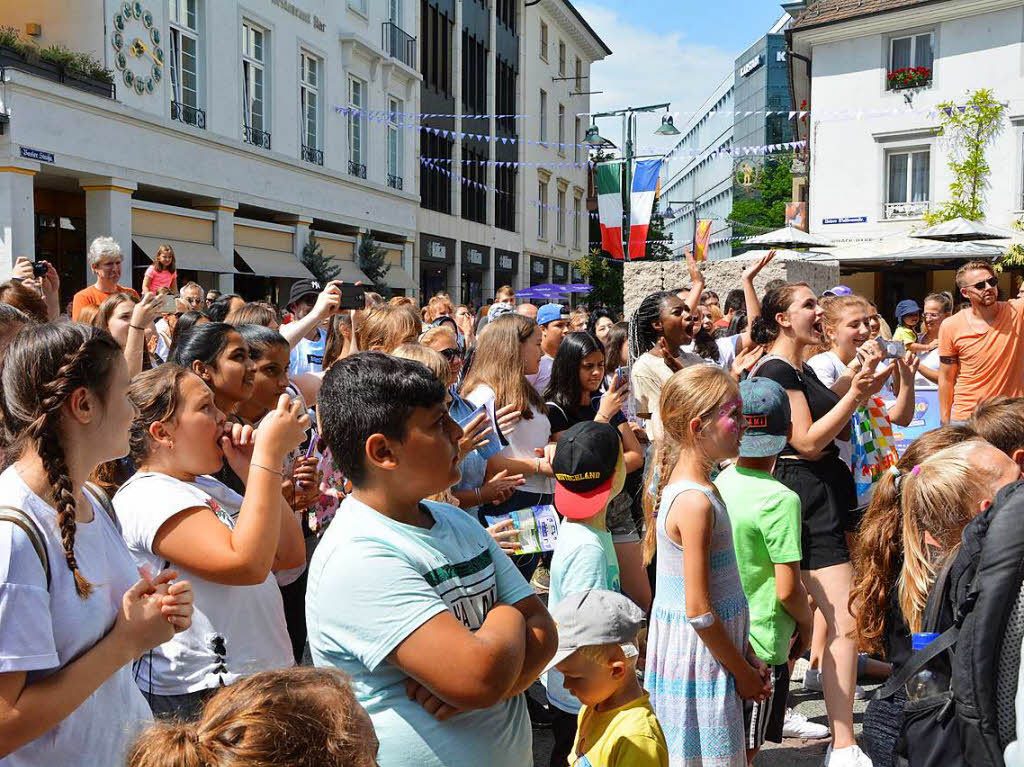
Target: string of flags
column 512, row 164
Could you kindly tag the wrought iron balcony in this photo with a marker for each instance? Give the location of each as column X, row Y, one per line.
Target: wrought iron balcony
column 256, row 137
column 313, row 155
column 398, row 44
column 357, row 169
column 395, row 182
column 189, row 115
column 895, row 210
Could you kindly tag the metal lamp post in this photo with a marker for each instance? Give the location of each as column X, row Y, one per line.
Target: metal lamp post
column 596, row 141
column 695, row 204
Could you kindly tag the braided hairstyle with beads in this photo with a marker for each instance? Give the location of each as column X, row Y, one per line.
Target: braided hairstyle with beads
column 642, row 335
column 42, row 368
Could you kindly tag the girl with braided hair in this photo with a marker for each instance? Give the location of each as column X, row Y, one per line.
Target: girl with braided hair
column 74, row 612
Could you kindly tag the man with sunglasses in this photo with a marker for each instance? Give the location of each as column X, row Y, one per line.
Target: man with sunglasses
column 981, row 348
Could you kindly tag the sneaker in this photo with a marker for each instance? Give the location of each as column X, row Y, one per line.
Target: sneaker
column 799, row 669
column 851, row 756
column 812, row 683
column 797, row 725
column 541, row 580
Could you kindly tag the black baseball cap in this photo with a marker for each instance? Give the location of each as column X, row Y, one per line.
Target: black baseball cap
column 586, row 458
column 302, row 288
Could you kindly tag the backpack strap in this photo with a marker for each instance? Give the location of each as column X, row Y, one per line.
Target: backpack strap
column 99, row 495
column 918, row 661
column 20, row 519
column 768, row 358
column 939, row 595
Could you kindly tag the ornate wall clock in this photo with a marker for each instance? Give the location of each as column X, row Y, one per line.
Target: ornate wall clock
column 136, row 43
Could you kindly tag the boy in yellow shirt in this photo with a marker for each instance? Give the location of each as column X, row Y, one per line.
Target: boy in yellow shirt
column 597, row 653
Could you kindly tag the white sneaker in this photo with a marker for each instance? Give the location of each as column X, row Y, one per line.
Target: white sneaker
column 851, row 756
column 797, row 725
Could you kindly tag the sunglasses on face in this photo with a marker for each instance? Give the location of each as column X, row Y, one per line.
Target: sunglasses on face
column 451, row 354
column 991, row 282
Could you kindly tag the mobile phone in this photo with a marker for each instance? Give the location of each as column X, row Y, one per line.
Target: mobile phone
column 352, row 297
column 621, row 376
column 893, row 349
column 314, row 439
column 168, row 303
column 39, row 269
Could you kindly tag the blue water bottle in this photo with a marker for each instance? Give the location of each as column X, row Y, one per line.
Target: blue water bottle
column 926, row 682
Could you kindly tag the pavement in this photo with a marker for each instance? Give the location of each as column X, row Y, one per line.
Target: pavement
column 790, row 753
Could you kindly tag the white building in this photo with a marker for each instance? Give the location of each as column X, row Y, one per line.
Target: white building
column 699, row 177
column 876, row 163
column 559, row 49
column 220, row 135
column 516, row 212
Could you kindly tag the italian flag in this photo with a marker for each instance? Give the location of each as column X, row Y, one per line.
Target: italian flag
column 609, row 207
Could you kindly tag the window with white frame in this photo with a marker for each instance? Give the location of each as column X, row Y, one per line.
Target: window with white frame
column 908, row 183
column 309, row 99
column 560, row 214
column 542, row 210
column 912, row 51
column 579, row 74
column 394, row 143
column 561, row 58
column 356, row 121
column 254, row 94
column 543, row 116
column 358, row 5
column 561, row 128
column 544, row 41
column 577, row 210
column 184, row 50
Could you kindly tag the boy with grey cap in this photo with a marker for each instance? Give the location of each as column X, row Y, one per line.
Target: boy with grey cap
column 597, row 652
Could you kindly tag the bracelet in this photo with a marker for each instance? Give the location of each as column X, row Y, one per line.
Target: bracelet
column 536, row 465
column 137, row 327
column 267, row 468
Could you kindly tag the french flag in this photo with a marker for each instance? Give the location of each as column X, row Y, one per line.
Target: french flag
column 641, row 202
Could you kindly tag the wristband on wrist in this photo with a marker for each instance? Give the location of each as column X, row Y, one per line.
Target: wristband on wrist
column 137, row 327
column 266, row 468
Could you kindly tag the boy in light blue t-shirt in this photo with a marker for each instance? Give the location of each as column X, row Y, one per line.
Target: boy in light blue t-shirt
column 589, row 472
column 412, row 599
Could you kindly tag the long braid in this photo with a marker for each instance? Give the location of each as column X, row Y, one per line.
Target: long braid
column 642, row 335
column 41, row 370
column 664, row 460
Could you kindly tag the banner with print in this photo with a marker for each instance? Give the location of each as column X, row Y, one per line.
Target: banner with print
column 926, row 418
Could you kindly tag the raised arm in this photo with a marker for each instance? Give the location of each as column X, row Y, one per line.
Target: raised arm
column 810, row 437
column 750, row 297
column 901, row 412
column 143, row 315
column 696, row 282
column 326, row 305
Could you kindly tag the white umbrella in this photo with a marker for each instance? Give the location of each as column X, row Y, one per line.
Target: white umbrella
column 877, row 253
column 788, row 237
column 964, row 230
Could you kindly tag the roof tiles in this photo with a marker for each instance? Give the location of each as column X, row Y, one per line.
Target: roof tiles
column 821, row 12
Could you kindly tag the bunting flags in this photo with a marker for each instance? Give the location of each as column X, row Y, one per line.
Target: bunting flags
column 609, row 206
column 641, row 201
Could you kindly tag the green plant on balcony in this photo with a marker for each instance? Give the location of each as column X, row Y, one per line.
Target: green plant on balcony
column 74, row 62
column 909, row 77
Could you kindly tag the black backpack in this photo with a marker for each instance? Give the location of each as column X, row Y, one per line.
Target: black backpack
column 978, row 605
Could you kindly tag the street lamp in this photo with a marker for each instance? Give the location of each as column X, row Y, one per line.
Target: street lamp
column 628, row 115
column 695, row 204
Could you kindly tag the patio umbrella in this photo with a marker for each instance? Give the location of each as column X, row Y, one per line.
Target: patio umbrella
column 542, row 291
column 964, row 230
column 788, row 237
column 577, row 287
column 879, row 253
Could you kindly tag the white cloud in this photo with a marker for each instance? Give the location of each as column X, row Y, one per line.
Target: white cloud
column 648, row 67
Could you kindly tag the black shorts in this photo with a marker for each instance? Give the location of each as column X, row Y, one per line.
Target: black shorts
column 827, row 500
column 763, row 721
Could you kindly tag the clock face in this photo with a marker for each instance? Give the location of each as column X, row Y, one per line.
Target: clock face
column 136, row 43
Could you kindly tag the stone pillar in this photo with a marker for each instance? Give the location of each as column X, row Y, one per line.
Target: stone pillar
column 409, row 265
column 108, row 212
column 302, row 225
column 17, row 214
column 223, row 237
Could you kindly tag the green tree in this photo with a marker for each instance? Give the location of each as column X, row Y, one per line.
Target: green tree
column 764, row 207
column 605, row 275
column 968, row 131
column 373, row 260
column 657, row 247
column 313, row 258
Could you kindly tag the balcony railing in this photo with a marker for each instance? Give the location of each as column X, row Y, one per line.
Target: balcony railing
column 896, row 210
column 189, row 115
column 395, row 182
column 357, row 169
column 256, row 137
column 313, row 155
column 11, row 59
column 398, row 44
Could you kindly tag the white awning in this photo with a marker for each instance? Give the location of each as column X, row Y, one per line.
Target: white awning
column 397, row 277
column 187, row 255
column 349, row 271
column 272, row 263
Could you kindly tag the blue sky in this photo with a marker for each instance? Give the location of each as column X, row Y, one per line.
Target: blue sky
column 669, row 50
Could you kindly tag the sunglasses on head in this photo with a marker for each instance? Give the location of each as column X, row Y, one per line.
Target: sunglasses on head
column 991, row 282
column 451, row 354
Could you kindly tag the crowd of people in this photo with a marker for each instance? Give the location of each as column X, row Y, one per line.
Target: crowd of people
column 233, row 533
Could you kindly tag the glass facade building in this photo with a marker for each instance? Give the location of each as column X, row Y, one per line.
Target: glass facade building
column 762, row 85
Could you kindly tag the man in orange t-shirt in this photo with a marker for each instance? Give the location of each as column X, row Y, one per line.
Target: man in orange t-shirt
column 981, row 349
column 105, row 261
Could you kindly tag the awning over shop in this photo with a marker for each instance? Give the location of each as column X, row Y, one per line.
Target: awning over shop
column 349, row 271
column 272, row 263
column 397, row 277
column 894, row 251
column 187, row 255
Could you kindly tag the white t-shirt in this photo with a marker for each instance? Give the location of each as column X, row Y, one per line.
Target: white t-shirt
column 647, row 376
column 929, row 360
column 308, row 356
column 726, row 350
column 236, row 630
column 42, row 632
column 530, row 434
column 542, row 377
column 829, row 369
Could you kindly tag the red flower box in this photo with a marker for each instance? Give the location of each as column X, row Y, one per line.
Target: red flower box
column 909, row 77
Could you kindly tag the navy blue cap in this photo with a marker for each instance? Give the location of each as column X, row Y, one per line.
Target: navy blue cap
column 905, row 307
